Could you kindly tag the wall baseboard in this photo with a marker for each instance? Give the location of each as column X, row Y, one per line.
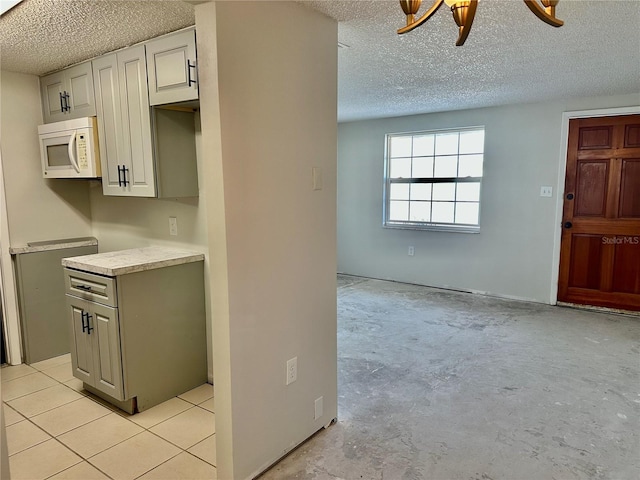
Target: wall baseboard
column 454, row 289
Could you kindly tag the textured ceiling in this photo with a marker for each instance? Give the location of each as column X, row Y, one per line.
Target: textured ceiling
column 39, row 36
column 510, row 56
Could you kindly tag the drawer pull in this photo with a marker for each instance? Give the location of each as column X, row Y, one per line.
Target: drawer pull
column 86, row 288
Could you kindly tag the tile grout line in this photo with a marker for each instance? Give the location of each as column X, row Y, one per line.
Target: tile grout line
column 169, row 459
column 35, row 444
column 115, row 410
column 51, row 437
column 35, row 391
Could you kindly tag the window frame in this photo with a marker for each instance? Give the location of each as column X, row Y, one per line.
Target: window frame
column 429, row 226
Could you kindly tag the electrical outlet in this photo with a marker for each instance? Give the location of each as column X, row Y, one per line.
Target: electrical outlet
column 411, row 251
column 173, row 226
column 317, row 408
column 292, row 370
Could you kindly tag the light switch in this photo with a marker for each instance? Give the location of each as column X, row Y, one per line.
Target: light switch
column 546, row 191
column 316, row 176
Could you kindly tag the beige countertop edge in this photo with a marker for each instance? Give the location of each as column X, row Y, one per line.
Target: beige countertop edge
column 131, row 268
column 53, row 246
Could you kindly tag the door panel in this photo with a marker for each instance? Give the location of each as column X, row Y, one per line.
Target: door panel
column 632, row 136
column 107, row 90
column 107, row 353
column 171, row 66
column 626, row 266
column 137, row 154
column 591, row 187
column 586, row 273
column 600, row 248
column 630, row 188
column 595, row 138
column 80, row 85
column 51, row 88
column 81, row 348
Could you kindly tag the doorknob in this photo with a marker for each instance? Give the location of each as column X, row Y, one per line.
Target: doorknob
column 568, row 224
column 569, row 196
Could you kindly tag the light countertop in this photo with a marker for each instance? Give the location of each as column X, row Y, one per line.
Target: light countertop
column 33, row 247
column 131, row 261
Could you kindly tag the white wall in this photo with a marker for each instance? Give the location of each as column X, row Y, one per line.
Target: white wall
column 38, row 208
column 272, row 238
column 33, row 208
column 513, row 254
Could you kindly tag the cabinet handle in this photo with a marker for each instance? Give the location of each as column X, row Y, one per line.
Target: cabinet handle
column 86, row 328
column 61, row 104
column 86, row 288
column 89, row 327
column 189, row 67
column 122, row 176
column 66, row 101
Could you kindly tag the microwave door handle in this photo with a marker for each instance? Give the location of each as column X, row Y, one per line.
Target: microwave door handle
column 72, row 155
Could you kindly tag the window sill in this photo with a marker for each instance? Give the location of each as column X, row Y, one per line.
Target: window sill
column 433, row 227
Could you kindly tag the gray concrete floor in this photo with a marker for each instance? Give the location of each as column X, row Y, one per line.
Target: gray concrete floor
column 434, row 384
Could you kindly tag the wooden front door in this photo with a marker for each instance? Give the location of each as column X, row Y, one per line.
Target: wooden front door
column 600, row 249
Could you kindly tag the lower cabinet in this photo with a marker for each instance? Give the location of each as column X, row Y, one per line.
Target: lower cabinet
column 138, row 339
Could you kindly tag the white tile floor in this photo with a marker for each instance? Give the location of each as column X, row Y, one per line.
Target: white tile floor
column 57, row 430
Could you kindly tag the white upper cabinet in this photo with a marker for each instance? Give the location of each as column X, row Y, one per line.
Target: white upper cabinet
column 145, row 152
column 68, row 94
column 172, row 68
column 107, row 89
column 137, row 155
column 124, row 124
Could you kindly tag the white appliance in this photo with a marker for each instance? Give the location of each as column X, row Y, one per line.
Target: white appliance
column 69, row 149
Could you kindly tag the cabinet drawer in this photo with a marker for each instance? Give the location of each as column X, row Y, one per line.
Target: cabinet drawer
column 89, row 286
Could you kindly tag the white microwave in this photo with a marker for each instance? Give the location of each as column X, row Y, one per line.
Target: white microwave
column 69, row 149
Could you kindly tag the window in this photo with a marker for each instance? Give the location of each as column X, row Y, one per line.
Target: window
column 432, row 179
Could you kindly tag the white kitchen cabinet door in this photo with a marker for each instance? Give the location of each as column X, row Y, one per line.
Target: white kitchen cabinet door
column 68, row 94
column 53, row 102
column 81, row 343
column 96, row 357
column 172, row 69
column 107, row 90
column 107, row 357
column 137, row 150
column 81, row 101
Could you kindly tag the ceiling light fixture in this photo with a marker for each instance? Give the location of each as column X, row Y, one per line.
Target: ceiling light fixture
column 464, row 11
